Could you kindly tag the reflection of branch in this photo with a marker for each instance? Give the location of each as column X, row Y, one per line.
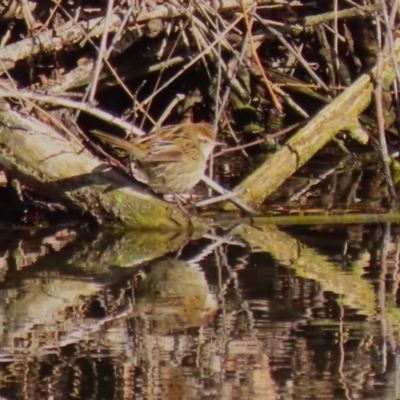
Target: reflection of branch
column 217, row 241
column 308, row 263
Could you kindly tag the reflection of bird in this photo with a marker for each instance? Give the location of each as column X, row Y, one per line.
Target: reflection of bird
column 175, row 293
column 173, row 159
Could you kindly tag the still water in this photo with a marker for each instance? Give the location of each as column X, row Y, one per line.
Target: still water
column 243, row 313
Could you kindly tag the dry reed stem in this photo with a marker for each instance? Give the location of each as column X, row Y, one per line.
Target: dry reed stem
column 268, row 85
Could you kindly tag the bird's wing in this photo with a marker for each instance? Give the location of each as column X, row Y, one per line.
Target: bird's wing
column 164, row 151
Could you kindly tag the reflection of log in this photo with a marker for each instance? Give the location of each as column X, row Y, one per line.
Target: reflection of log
column 354, row 291
column 62, row 170
column 340, row 115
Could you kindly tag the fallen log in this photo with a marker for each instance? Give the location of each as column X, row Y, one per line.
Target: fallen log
column 340, row 115
column 63, row 170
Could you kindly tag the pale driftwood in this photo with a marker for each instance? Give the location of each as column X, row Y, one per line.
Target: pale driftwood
column 355, row 12
column 61, row 170
column 54, row 40
column 340, row 115
column 73, row 32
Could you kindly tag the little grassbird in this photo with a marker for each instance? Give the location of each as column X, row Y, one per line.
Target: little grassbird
column 172, row 159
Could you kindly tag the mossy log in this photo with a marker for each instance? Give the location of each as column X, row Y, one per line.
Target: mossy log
column 61, row 169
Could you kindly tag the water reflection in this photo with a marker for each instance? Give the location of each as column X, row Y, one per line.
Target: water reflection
column 253, row 313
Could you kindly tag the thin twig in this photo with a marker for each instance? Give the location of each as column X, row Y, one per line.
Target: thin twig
column 226, row 195
column 147, row 102
column 194, row 60
column 177, row 99
column 389, row 24
column 102, row 51
column 105, row 60
column 299, row 57
column 274, row 99
column 59, row 101
column 118, row 34
column 259, row 141
column 380, row 115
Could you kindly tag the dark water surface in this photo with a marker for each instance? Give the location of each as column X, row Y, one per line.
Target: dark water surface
column 274, row 313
